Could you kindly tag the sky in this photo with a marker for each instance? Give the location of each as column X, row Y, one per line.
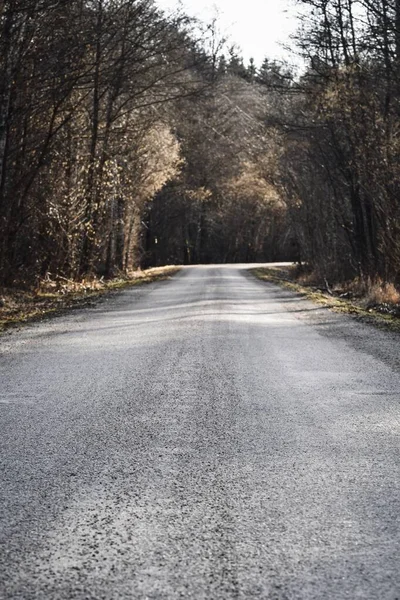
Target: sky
column 257, row 26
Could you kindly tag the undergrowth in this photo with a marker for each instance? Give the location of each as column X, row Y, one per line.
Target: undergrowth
column 372, row 299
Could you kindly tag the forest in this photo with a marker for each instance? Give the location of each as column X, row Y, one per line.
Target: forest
column 130, row 138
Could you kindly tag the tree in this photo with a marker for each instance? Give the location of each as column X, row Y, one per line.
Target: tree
column 83, row 83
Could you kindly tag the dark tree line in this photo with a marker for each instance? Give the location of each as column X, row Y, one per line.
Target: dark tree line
column 325, row 144
column 340, row 168
column 127, row 139
column 225, row 205
column 84, row 138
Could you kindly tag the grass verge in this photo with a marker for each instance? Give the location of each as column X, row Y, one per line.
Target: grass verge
column 52, row 296
column 357, row 307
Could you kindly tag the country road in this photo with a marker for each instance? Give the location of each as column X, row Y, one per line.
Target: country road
column 210, row 437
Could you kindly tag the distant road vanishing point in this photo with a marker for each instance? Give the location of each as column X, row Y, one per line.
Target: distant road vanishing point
column 208, row 437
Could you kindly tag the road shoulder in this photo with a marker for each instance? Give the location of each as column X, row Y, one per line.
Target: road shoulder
column 365, row 332
column 19, row 307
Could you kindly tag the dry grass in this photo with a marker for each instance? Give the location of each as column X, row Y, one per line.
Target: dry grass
column 376, row 292
column 54, row 294
column 375, row 301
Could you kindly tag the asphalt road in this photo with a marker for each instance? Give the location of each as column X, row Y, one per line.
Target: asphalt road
column 210, row 437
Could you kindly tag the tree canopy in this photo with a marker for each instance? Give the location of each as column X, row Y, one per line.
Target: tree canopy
column 130, row 138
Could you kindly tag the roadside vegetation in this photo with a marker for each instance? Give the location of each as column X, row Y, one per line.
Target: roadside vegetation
column 132, row 139
column 49, row 296
column 377, row 304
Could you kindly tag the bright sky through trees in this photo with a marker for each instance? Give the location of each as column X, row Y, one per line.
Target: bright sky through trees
column 259, row 27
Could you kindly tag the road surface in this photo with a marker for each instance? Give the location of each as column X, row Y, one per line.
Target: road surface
column 208, row 437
